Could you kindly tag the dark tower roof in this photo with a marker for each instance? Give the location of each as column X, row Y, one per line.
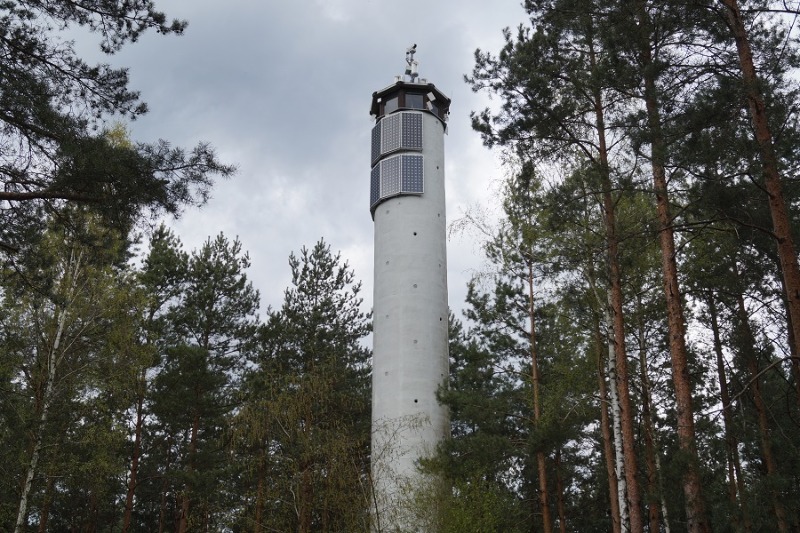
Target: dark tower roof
column 403, row 95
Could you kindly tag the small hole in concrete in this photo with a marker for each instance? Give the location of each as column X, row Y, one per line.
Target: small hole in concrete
column 415, row 233
column 416, row 401
column 415, row 285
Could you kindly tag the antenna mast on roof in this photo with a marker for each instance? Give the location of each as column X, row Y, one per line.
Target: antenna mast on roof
column 412, row 65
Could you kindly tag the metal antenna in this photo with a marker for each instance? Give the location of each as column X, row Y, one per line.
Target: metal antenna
column 412, row 64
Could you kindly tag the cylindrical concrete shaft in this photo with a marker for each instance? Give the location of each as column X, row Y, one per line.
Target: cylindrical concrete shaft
column 410, row 317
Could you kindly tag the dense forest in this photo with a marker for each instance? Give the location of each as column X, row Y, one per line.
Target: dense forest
column 628, row 358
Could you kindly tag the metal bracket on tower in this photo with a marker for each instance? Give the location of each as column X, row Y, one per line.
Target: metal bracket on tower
column 412, row 65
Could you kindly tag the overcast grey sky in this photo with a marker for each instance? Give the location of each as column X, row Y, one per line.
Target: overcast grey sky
column 283, row 90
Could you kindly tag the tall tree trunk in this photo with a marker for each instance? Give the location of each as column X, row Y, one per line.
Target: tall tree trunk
column 37, row 447
column 735, row 482
column 91, row 526
column 793, row 348
column 664, row 510
column 619, row 461
column 162, row 510
column 605, row 427
column 649, row 431
column 44, row 412
column 781, row 226
column 562, row 514
column 748, row 351
column 183, row 521
column 48, row 501
column 544, row 499
column 697, row 521
column 137, row 450
column 306, row 492
column 795, row 355
column 618, row 322
column 306, row 496
column 259, row 508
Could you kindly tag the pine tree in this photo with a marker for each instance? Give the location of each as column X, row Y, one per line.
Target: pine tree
column 210, row 325
column 554, row 79
column 486, row 423
column 52, row 106
column 160, row 280
column 307, row 405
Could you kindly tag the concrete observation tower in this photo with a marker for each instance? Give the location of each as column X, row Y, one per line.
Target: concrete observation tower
column 410, row 354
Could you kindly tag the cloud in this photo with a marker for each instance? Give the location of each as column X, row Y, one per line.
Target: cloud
column 283, row 90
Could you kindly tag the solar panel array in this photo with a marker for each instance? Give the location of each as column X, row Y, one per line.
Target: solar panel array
column 398, row 131
column 396, row 175
column 401, row 173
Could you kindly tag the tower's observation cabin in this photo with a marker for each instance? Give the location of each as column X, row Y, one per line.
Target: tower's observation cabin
column 397, row 138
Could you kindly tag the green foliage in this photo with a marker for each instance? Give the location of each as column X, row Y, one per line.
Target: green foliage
column 169, row 395
column 210, row 318
column 60, row 394
column 307, row 405
column 52, row 105
column 648, row 84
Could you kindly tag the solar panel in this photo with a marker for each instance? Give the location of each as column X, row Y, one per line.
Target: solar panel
column 390, row 135
column 376, row 142
column 375, row 185
column 390, row 176
column 412, row 131
column 412, row 174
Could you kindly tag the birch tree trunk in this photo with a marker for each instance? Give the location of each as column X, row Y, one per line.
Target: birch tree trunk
column 53, row 358
column 618, row 321
column 608, row 440
column 664, row 512
column 37, row 447
column 619, row 465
